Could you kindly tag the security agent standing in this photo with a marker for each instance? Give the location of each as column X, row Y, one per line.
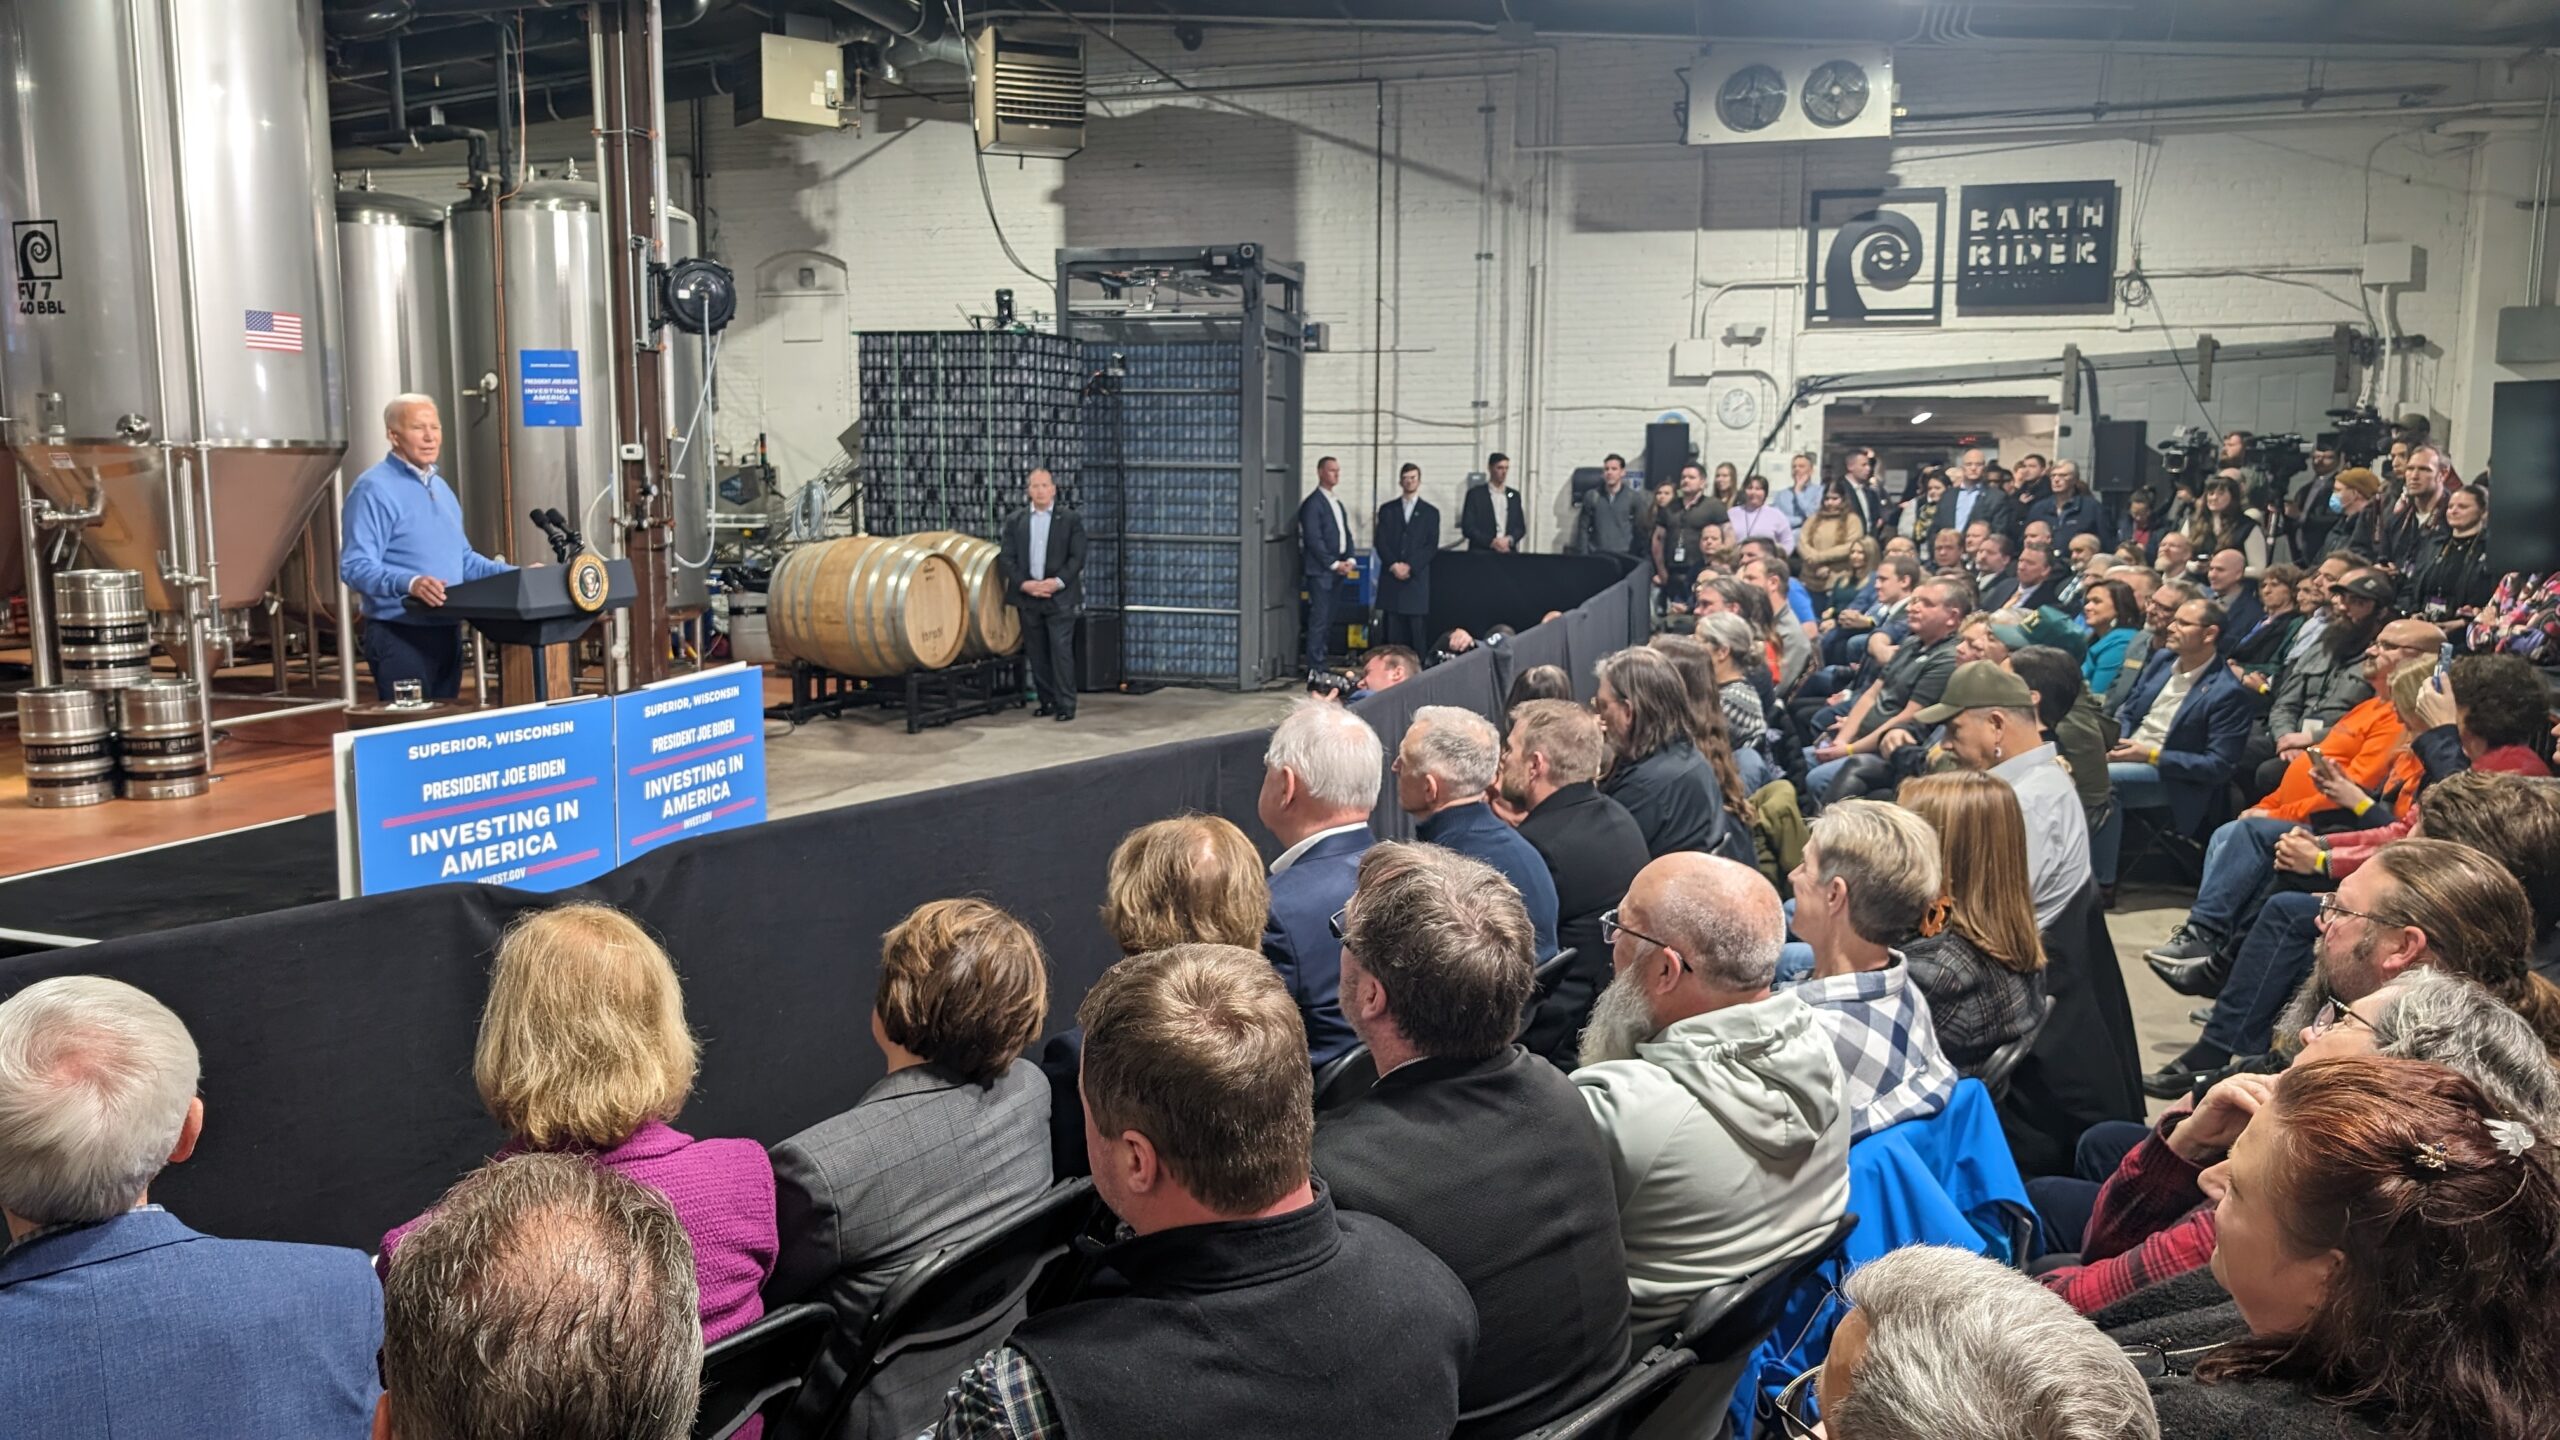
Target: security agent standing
column 1610, row 520
column 1407, row 536
column 1043, row 560
column 403, row 539
column 1324, row 555
column 1493, row 518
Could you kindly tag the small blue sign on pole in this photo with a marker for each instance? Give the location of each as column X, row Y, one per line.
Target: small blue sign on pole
column 520, row 797
column 547, row 387
column 690, row 757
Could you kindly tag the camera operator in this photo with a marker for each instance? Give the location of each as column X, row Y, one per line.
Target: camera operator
column 1383, row 668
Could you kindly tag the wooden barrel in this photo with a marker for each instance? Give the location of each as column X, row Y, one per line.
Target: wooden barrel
column 995, row 628
column 868, row 605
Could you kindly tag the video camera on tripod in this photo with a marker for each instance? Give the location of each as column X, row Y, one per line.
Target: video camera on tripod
column 2362, row 434
column 2188, row 456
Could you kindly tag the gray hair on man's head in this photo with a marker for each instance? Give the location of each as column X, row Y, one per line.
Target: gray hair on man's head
column 2459, row 1024
column 1729, row 633
column 1461, row 747
column 1960, row 1347
column 1337, row 758
column 398, row 409
column 1888, row 856
column 1724, row 917
column 545, row 1297
column 95, row 1079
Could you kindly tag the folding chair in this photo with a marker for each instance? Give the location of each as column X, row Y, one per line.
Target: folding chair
column 2002, row 1067
column 758, row 1366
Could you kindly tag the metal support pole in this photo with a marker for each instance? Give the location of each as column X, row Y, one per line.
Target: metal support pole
column 199, row 597
column 39, row 611
column 346, row 601
column 627, row 90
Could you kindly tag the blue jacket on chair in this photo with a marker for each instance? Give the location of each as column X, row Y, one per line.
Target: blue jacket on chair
column 2202, row 751
column 138, row 1328
column 1299, row 938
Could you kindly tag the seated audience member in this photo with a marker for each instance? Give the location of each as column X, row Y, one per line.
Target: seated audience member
column 1983, row 969
column 1659, row 776
column 1911, row 682
column 583, row 1050
column 1795, row 645
column 1242, row 1302
column 2383, row 1248
column 2259, row 651
column 1190, row 878
column 2365, row 747
column 952, row 1138
column 2175, row 558
column 1721, row 1103
column 2183, row 731
column 1943, row 1344
column 1592, row 846
column 1870, row 872
column 2226, row 583
column 116, row 1320
column 2151, row 1220
column 544, row 1298
column 1445, row 770
column 1992, row 726
column 2114, row 620
column 1995, row 571
column 2322, row 683
column 1470, row 1144
column 1735, row 779
column 2075, row 723
column 2040, row 581
column 1320, row 779
column 2420, row 902
column 1540, row 682
column 1731, row 648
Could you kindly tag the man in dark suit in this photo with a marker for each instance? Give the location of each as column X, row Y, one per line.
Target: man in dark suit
column 121, row 1322
column 1407, row 535
column 2185, row 726
column 1592, row 846
column 1043, row 563
column 1492, row 519
column 2227, row 584
column 2039, row 584
column 1973, row 499
column 1324, row 555
column 1444, row 767
column 1320, row 779
column 1995, row 578
column 1472, row 1145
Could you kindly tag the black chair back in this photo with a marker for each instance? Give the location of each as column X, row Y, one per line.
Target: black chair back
column 1732, row 1318
column 1345, row 1078
column 757, row 1367
column 1542, row 983
column 2002, row 1067
column 1619, row 1407
column 960, row 1290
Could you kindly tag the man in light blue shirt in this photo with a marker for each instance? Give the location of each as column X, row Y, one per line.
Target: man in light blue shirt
column 404, row 539
column 1801, row 500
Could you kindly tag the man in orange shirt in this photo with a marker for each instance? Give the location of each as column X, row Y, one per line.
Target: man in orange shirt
column 2363, row 745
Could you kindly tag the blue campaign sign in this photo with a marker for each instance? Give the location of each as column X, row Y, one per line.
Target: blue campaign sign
column 691, row 757
column 547, row 387
column 520, row 797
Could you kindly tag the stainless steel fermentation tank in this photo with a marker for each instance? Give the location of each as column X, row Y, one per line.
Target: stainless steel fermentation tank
column 399, row 340
column 554, row 448
column 172, row 378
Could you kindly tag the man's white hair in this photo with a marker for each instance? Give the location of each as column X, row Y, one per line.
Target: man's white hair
column 1964, row 1348
column 95, row 1077
column 1461, row 747
column 393, row 413
column 1335, row 755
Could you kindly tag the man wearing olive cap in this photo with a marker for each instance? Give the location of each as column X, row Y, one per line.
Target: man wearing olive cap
column 1991, row 726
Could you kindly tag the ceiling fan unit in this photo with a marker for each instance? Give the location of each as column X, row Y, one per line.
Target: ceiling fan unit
column 1745, row 94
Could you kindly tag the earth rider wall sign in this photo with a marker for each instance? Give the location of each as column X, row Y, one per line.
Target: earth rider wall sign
column 2040, row 249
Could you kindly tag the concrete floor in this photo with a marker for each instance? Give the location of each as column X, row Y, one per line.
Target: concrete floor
column 867, row 754
column 2142, row 919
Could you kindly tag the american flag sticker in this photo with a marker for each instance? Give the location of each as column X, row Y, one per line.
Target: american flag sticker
column 275, row 330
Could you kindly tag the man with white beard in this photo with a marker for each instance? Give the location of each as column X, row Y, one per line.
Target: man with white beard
column 1721, row 1103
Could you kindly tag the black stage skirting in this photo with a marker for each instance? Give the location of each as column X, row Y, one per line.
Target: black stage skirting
column 337, row 1037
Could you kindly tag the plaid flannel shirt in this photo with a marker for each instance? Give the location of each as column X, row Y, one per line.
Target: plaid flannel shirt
column 1002, row 1397
column 1888, row 1048
column 2150, row 1223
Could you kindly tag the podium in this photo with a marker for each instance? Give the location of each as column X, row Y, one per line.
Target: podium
column 530, row 608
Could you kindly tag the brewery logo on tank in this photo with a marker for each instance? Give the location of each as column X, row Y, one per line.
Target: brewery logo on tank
column 2041, row 249
column 39, row 266
column 588, row 583
column 1875, row 257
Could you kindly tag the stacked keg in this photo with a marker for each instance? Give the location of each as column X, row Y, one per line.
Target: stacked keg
column 105, row 632
column 70, row 756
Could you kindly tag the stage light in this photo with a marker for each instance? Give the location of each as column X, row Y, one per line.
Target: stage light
column 1923, row 417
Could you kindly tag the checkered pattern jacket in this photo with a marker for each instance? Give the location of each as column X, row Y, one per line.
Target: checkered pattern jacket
column 1888, row 1049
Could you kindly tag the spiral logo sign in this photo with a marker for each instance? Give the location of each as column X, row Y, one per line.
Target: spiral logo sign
column 39, row 250
column 1876, row 257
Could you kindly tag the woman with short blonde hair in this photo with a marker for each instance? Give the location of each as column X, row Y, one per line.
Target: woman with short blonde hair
column 584, row 1050
column 1981, row 960
column 1190, row 879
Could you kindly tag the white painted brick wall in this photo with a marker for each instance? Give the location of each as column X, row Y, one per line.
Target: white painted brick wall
column 1594, row 246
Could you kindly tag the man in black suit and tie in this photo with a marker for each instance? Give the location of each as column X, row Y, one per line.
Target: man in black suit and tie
column 1324, row 555
column 1492, row 519
column 1407, row 536
column 1043, row 562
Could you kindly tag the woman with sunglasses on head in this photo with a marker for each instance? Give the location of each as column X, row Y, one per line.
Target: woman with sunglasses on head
column 2151, row 1221
column 2387, row 1247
